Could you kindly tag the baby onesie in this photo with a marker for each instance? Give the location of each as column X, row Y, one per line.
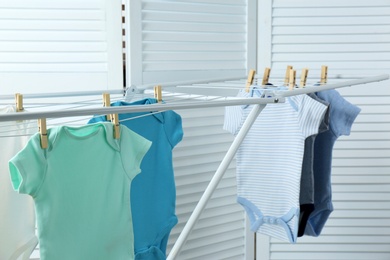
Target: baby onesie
column 342, row 115
column 306, row 194
column 269, row 163
column 81, row 189
column 17, row 217
column 153, row 192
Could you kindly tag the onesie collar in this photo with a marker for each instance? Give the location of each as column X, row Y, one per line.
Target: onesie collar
column 55, row 132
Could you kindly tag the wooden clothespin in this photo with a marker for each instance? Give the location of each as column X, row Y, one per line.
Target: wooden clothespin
column 324, row 74
column 114, row 118
column 292, row 79
column 19, row 102
column 305, row 71
column 158, row 93
column 115, row 121
column 249, row 81
column 43, row 132
column 287, row 76
column 107, row 103
column 267, row 72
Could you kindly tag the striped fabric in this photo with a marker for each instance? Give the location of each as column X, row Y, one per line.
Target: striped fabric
column 234, row 115
column 269, row 164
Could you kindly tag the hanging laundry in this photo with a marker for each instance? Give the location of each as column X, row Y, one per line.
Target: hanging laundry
column 341, row 117
column 269, row 163
column 153, row 192
column 17, row 216
column 80, row 185
column 306, row 194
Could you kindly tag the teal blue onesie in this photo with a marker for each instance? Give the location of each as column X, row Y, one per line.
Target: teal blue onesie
column 153, row 192
column 81, row 189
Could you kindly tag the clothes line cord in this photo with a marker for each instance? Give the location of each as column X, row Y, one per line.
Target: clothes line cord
column 144, row 108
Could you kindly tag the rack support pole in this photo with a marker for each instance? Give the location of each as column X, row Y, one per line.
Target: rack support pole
column 215, row 180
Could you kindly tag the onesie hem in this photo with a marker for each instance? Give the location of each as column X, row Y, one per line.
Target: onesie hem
column 256, row 223
column 318, row 218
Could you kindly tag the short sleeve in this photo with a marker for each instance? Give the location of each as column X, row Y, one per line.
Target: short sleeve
column 233, row 117
column 345, row 114
column 311, row 115
column 133, row 148
column 173, row 127
column 28, row 167
column 342, row 113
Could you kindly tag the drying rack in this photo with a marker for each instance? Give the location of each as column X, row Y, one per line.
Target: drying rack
column 259, row 105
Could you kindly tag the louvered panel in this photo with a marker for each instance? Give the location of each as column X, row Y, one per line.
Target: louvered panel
column 43, row 41
column 369, row 179
column 202, row 48
column 332, row 30
column 52, row 36
column 191, row 27
column 340, row 239
column 196, row 7
column 351, row 217
column 324, row 39
column 328, row 57
column 331, row 47
column 50, row 57
column 193, row 40
column 336, row 247
column 331, row 12
column 332, row 255
column 183, row 56
column 356, row 171
column 362, row 206
column 220, row 231
column 368, row 143
column 351, row 38
column 330, row 3
column 372, row 126
column 337, row 161
column 357, row 231
column 362, row 188
column 363, row 153
column 332, row 21
column 199, row 140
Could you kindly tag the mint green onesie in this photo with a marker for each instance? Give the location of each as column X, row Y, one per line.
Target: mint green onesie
column 81, row 189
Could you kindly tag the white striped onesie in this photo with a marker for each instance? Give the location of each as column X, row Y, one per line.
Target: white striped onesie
column 269, row 163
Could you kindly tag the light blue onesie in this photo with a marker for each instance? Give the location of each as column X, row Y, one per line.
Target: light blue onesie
column 153, row 192
column 341, row 117
column 269, row 163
